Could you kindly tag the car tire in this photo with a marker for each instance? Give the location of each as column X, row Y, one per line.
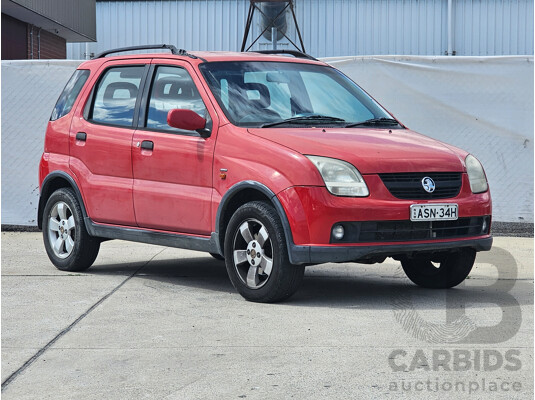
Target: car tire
column 217, row 256
column 256, row 255
column 67, row 243
column 442, row 272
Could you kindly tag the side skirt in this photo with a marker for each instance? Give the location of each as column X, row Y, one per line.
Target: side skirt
column 146, row 236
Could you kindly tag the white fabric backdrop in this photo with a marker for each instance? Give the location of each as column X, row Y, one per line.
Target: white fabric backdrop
column 29, row 92
column 482, row 104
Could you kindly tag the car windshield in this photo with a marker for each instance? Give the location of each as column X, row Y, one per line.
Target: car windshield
column 282, row 94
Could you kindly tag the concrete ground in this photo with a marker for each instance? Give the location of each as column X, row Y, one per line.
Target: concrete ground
column 154, row 322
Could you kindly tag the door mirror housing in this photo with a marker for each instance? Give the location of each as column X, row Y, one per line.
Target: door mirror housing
column 188, row 120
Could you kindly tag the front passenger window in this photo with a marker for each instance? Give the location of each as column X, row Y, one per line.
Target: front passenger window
column 172, row 88
column 116, row 95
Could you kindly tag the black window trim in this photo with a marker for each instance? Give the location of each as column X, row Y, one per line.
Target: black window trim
column 91, row 99
column 142, row 116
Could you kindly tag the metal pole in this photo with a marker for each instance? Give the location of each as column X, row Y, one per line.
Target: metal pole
column 450, row 30
column 252, row 7
column 87, row 54
column 297, row 27
column 39, row 44
column 31, row 42
column 274, row 37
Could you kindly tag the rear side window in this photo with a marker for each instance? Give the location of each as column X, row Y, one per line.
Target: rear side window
column 70, row 93
column 115, row 97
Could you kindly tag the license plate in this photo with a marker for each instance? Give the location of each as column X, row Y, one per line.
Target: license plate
column 434, row 212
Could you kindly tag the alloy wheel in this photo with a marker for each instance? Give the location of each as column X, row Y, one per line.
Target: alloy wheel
column 61, row 230
column 252, row 253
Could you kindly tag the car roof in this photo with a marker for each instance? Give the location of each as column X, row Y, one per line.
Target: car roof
column 198, row 57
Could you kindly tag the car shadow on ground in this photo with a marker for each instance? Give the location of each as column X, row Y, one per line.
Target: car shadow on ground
column 325, row 288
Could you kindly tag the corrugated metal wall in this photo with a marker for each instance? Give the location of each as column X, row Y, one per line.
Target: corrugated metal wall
column 329, row 27
column 493, row 27
column 366, row 27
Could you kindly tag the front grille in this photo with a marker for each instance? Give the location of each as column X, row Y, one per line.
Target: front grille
column 408, row 186
column 406, row 231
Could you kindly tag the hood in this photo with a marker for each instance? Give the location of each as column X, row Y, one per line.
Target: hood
column 371, row 151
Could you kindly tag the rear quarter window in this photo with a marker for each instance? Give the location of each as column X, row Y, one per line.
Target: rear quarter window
column 70, row 93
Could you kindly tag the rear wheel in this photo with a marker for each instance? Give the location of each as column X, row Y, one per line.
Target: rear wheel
column 67, row 243
column 256, row 255
column 440, row 271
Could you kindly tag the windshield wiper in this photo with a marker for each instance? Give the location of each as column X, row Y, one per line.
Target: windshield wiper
column 304, row 119
column 374, row 121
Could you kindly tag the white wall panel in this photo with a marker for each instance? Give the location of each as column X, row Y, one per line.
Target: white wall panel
column 27, row 102
column 483, row 104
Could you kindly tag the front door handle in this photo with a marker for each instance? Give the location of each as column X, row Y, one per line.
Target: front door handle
column 147, row 145
column 81, row 136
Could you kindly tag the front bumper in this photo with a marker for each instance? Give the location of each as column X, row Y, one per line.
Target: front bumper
column 322, row 254
column 312, row 211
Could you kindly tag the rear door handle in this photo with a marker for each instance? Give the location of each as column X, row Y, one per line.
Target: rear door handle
column 81, row 136
column 147, row 145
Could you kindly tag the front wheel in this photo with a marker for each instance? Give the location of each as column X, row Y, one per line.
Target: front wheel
column 67, row 243
column 256, row 255
column 440, row 271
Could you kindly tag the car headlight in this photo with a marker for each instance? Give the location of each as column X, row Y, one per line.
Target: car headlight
column 476, row 175
column 340, row 177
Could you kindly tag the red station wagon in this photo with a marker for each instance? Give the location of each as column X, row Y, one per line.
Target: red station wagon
column 271, row 162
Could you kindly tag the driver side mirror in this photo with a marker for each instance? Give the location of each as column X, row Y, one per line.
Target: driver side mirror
column 188, row 120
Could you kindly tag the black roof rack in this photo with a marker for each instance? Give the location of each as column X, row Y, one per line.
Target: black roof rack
column 169, row 47
column 295, row 53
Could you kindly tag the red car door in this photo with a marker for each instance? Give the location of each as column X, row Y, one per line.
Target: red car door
column 173, row 168
column 101, row 138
